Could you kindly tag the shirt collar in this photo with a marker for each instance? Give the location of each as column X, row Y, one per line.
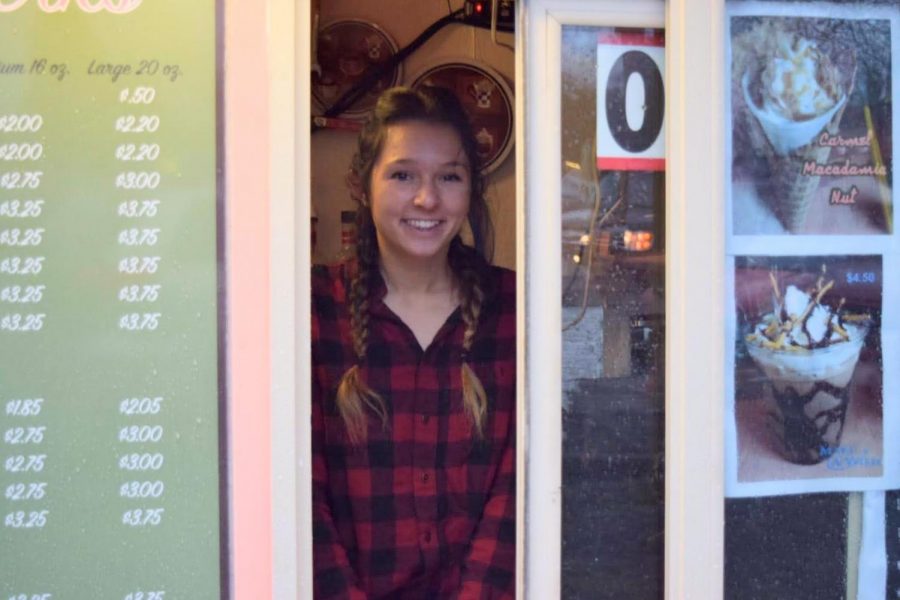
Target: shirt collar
column 378, row 290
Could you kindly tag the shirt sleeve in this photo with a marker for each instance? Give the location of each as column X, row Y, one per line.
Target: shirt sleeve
column 489, row 566
column 334, row 576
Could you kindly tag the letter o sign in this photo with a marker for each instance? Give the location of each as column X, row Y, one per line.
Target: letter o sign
column 630, row 100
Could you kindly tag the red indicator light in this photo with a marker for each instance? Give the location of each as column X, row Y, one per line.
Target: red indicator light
column 479, row 7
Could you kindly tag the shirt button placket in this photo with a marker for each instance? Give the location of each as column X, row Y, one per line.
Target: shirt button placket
column 425, row 489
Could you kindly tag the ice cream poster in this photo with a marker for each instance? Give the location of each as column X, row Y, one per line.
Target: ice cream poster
column 811, row 124
column 806, row 412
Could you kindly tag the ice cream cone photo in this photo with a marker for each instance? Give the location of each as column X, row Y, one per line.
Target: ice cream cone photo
column 807, row 157
column 808, row 373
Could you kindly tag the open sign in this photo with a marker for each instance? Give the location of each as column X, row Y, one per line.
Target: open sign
column 630, row 100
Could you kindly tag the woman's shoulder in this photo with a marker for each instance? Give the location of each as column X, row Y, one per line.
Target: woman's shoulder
column 505, row 277
column 331, row 276
column 502, row 283
column 330, row 280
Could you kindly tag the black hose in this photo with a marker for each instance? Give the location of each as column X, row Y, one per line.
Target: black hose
column 373, row 75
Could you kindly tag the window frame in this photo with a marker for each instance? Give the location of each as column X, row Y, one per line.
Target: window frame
column 695, row 263
column 290, row 453
column 694, row 513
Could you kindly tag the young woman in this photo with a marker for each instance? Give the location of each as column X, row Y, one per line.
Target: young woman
column 414, row 373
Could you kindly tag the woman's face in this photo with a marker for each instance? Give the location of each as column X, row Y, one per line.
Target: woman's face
column 419, row 192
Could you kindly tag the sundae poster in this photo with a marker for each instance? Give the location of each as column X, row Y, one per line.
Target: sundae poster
column 811, row 122
column 807, row 402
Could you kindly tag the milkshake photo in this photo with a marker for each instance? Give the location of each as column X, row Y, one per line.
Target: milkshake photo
column 811, row 143
column 808, row 367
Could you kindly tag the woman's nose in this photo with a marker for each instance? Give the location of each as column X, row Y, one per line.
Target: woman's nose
column 427, row 195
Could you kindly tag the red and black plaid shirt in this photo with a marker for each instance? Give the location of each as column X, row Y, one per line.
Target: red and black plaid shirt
column 422, row 509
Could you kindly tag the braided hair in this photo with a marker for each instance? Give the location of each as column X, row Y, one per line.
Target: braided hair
column 432, row 105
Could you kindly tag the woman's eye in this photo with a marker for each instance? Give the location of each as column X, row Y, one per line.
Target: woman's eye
column 452, row 177
column 401, row 175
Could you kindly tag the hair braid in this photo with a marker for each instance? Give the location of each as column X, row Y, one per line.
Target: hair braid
column 467, row 266
column 353, row 392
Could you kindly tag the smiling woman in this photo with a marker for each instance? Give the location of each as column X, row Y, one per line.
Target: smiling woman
column 413, row 388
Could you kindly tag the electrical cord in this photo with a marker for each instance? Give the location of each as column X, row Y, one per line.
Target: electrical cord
column 371, row 77
column 594, row 225
column 495, row 8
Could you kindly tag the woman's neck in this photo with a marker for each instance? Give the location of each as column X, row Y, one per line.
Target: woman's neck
column 413, row 277
column 423, row 296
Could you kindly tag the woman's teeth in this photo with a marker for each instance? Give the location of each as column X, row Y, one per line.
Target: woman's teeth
column 423, row 223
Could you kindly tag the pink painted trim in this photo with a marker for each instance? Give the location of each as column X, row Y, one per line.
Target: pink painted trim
column 247, row 219
column 631, row 164
column 652, row 37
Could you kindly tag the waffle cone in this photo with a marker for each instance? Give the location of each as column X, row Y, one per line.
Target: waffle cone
column 789, row 192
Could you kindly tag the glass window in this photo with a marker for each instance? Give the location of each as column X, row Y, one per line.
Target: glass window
column 613, row 257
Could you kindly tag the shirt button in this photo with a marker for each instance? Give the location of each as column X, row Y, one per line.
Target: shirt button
column 425, row 477
column 428, row 536
column 425, row 419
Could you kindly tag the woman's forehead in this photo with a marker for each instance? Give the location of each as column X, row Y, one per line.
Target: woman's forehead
column 417, row 141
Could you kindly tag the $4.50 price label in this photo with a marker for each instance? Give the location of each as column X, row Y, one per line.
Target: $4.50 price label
column 861, row 277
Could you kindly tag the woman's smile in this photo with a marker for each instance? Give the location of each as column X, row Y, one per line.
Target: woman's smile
column 423, row 224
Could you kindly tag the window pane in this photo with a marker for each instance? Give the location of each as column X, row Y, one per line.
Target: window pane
column 613, row 257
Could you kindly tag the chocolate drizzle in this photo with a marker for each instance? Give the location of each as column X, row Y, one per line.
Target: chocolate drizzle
column 811, row 439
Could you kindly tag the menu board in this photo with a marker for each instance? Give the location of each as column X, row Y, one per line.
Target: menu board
column 110, row 399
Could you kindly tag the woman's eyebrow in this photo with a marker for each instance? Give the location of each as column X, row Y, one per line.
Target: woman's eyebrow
column 411, row 161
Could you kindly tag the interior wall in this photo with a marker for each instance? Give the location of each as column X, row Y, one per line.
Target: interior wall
column 332, row 148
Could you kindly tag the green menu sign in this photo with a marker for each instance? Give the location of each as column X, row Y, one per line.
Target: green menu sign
column 111, row 406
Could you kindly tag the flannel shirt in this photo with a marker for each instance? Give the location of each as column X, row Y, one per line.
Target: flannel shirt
column 422, row 509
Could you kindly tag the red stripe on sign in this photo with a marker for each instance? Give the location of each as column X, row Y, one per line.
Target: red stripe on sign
column 608, row 163
column 632, row 37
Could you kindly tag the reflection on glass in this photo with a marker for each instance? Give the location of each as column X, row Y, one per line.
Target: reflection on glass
column 613, row 251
